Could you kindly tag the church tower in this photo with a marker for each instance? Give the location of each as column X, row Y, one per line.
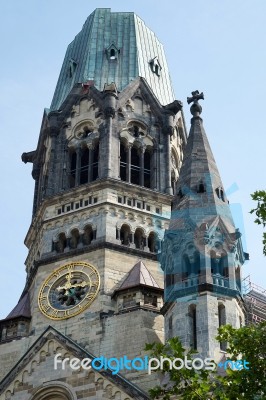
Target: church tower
column 202, row 252
column 105, row 168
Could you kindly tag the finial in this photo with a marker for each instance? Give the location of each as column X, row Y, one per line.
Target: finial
column 196, row 108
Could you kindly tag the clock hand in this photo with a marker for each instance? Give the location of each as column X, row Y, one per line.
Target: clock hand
column 82, row 284
column 69, row 285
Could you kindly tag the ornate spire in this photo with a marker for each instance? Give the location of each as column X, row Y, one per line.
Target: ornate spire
column 202, row 244
column 200, row 190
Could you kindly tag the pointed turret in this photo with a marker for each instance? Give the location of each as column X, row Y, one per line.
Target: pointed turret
column 139, row 276
column 202, row 252
column 200, row 192
column 139, row 290
column 17, row 323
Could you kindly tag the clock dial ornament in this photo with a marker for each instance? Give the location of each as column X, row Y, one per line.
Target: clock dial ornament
column 69, row 290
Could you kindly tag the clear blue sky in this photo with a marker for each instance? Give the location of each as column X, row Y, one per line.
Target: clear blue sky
column 215, row 47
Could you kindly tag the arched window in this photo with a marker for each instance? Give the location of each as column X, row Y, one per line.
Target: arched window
column 201, row 188
column 220, row 193
column 112, row 54
column 125, row 235
column 219, row 263
column 61, row 244
column 73, row 162
column 135, row 166
column 74, row 240
column 147, row 169
column 95, row 162
column 222, row 321
column 54, row 391
column 186, row 267
column 191, row 264
column 123, row 162
column 88, row 235
column 139, row 239
column 153, row 243
column 195, row 264
column 192, row 323
column 84, row 167
column 223, row 265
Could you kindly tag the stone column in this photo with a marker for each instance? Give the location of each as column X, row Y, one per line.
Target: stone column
column 168, row 132
column 145, row 244
column 231, row 270
column 36, row 176
column 205, row 267
column 51, row 171
column 66, row 169
column 80, row 240
column 106, row 146
column 90, row 164
column 78, row 163
column 154, row 178
column 142, row 151
column 67, row 244
column 118, row 234
column 168, row 186
column 129, row 163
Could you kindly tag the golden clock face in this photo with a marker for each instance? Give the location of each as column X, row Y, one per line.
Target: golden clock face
column 69, row 290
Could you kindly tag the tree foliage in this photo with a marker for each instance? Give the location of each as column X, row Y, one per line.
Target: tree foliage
column 260, row 211
column 246, row 343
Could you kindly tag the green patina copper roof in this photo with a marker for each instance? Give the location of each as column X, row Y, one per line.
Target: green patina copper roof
column 134, row 46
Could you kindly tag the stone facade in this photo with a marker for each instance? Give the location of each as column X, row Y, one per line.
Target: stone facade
column 105, row 168
column 35, row 375
column 110, row 192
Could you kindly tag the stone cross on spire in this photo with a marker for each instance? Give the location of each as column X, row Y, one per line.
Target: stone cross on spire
column 196, row 96
column 196, row 108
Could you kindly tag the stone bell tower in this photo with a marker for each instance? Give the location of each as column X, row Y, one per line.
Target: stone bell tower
column 202, row 252
column 105, row 168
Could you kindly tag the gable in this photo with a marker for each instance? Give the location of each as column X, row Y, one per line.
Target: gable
column 37, row 377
